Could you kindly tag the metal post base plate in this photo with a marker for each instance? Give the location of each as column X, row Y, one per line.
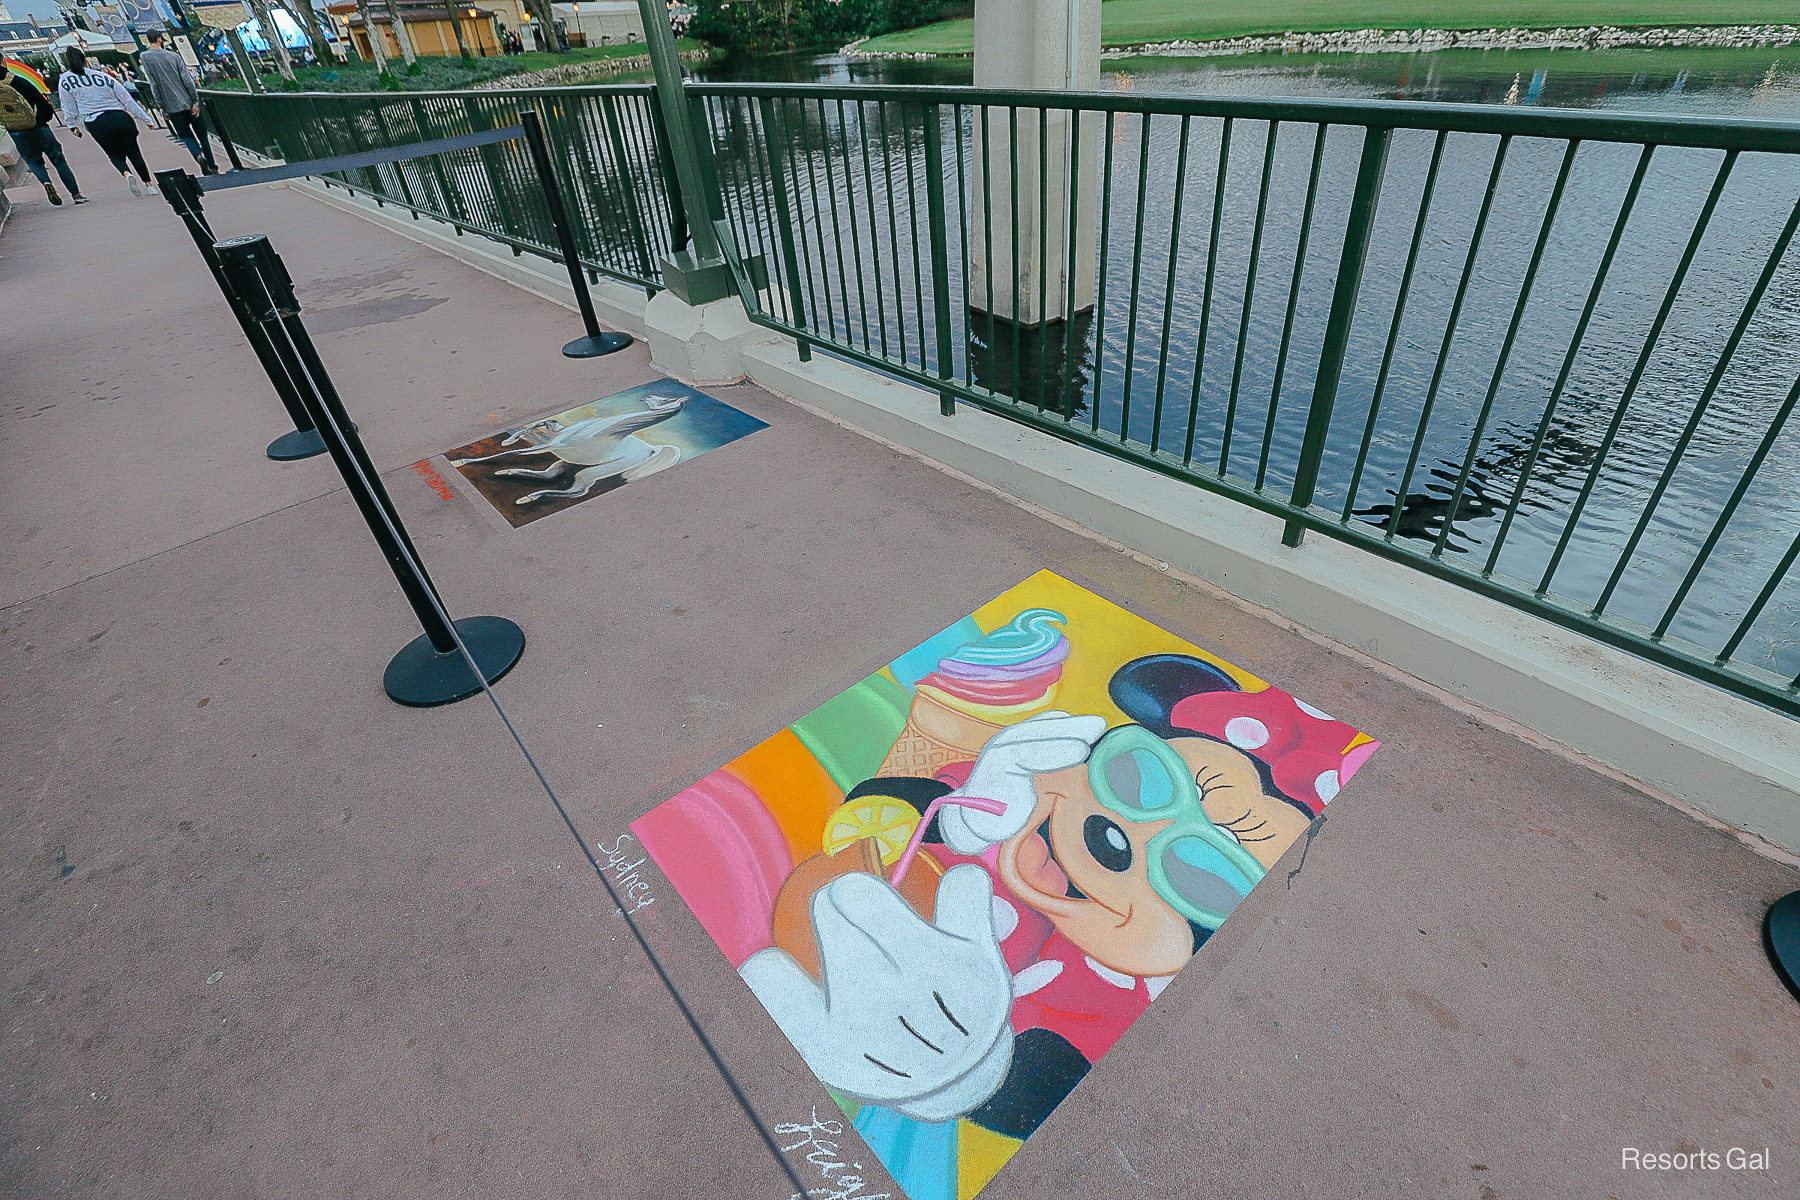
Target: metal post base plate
column 296, row 443
column 1781, row 937
column 594, row 347
column 422, row 677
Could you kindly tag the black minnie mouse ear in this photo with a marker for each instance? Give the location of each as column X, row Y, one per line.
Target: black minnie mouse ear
column 1147, row 689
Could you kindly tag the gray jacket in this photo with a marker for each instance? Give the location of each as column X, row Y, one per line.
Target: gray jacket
column 170, row 80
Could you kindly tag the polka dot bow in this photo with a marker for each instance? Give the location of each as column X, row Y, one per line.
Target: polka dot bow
column 1309, row 753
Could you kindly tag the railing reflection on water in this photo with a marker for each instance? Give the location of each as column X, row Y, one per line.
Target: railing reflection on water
column 1546, row 356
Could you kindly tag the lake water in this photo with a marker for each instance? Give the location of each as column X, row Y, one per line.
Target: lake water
column 1432, row 391
column 1722, row 82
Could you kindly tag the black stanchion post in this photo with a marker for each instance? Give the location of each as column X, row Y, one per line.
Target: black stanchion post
column 594, row 343
column 182, row 191
column 212, row 115
column 430, row 669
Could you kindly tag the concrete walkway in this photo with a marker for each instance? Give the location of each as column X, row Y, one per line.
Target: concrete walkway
column 268, row 934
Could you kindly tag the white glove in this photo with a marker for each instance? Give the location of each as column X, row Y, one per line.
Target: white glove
column 912, row 1015
column 1050, row 741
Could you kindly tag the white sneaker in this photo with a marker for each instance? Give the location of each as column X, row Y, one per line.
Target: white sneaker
column 137, row 186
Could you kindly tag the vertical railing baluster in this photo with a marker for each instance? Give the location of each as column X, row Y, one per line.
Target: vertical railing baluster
column 1357, row 228
column 671, row 175
column 940, row 251
column 912, row 227
column 1700, row 406
column 862, row 295
column 638, row 237
column 887, row 164
column 837, row 224
column 1450, row 328
column 1162, row 360
column 1506, row 346
column 862, row 129
column 1776, row 425
column 1776, row 577
column 818, row 222
column 1106, row 174
column 1293, row 305
column 987, row 239
column 1393, row 338
column 785, row 223
column 1576, row 339
column 1043, row 261
column 1243, row 341
column 790, row 174
column 1137, row 274
column 1071, row 248
column 962, row 236
column 1701, row 223
column 1012, row 146
column 1206, row 298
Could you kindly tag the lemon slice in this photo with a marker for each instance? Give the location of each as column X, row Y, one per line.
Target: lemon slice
column 889, row 821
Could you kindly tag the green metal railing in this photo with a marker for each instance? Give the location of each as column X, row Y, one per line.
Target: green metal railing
column 1310, row 306
column 612, row 157
column 1546, row 356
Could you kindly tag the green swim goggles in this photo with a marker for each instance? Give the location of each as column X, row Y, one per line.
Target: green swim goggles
column 1198, row 868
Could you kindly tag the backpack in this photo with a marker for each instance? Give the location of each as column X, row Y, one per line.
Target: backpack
column 16, row 113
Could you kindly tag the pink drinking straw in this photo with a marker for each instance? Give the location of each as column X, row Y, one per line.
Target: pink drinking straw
column 912, row 846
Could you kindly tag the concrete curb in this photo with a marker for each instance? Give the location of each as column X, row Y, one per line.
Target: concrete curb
column 1725, row 757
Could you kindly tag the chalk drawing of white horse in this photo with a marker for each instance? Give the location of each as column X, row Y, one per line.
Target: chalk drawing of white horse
column 603, row 447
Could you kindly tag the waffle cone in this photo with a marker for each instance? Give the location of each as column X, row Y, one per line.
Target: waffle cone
column 936, row 735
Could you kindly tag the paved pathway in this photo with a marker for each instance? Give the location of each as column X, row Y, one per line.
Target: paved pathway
column 267, row 934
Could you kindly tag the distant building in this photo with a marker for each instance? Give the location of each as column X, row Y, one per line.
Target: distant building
column 20, row 36
column 428, row 26
column 601, row 22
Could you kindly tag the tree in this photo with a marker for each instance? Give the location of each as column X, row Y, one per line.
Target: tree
column 766, row 26
column 376, row 47
column 545, row 20
column 272, row 35
column 308, row 20
column 402, row 37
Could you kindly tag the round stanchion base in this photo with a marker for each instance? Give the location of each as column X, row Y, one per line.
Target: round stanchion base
column 594, row 347
column 1781, row 937
column 296, row 443
column 420, row 676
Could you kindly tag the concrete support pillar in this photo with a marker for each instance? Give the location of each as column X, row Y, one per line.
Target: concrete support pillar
column 1040, row 45
column 701, row 343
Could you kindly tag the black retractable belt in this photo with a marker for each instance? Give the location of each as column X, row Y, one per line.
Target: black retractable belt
column 182, row 191
column 432, row 668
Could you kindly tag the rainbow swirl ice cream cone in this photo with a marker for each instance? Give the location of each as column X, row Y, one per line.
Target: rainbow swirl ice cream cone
column 995, row 681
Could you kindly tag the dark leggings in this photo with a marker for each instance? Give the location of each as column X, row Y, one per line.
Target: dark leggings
column 117, row 134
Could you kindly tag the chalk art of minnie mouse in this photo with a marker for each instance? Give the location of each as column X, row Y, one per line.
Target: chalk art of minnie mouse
column 1085, row 866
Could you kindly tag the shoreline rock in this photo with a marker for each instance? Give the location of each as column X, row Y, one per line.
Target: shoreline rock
column 1422, row 41
column 570, row 74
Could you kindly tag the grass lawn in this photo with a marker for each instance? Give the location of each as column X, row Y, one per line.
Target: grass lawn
column 1130, row 22
column 437, row 73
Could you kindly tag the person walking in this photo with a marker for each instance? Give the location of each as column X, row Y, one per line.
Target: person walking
column 99, row 102
column 33, row 136
column 174, row 87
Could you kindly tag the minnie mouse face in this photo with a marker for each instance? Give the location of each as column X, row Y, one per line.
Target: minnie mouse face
column 1086, row 863
column 1086, row 868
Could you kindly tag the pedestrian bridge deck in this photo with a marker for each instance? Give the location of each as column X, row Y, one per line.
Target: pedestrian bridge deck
column 272, row 934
